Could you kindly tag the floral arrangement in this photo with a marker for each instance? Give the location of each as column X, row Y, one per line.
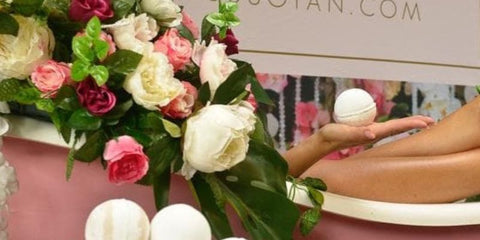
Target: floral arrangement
column 137, row 85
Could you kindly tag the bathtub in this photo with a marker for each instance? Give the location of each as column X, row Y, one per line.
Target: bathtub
column 51, row 208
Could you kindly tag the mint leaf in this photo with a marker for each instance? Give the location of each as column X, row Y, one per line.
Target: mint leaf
column 80, row 70
column 101, row 48
column 309, row 219
column 100, row 74
column 93, row 28
column 26, row 7
column 9, row 88
column 123, row 61
column 81, row 47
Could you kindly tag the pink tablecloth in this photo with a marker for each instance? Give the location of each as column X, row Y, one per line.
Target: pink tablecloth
column 49, row 208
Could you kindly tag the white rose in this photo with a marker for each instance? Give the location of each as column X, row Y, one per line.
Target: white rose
column 134, row 32
column 215, row 66
column 166, row 12
column 152, row 84
column 32, row 46
column 216, row 138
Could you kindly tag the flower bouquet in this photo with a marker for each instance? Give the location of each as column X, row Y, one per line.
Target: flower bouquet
column 138, row 86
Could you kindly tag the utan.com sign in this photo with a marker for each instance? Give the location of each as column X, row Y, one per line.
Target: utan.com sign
column 411, row 40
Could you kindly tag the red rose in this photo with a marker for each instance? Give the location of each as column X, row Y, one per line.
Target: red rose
column 83, row 10
column 230, row 40
column 97, row 100
column 126, row 161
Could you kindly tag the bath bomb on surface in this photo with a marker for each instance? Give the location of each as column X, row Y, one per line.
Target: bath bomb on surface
column 355, row 107
column 117, row 219
column 180, row 222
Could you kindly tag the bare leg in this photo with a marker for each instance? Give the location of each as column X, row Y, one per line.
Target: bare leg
column 403, row 179
column 456, row 133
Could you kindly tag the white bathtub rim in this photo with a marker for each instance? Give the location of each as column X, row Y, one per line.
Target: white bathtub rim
column 435, row 215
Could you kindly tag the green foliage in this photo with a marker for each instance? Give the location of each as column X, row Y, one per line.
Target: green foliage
column 204, row 93
column 93, row 28
column 213, row 209
column 27, row 95
column 172, row 128
column 80, row 70
column 81, row 46
column 81, row 119
column 185, row 33
column 8, row 24
column 123, row 61
column 314, row 183
column 225, row 17
column 122, row 7
column 478, row 88
column 26, row 7
column 100, row 74
column 10, row 87
column 208, row 30
column 161, row 187
column 234, row 85
column 45, row 104
column 92, row 148
column 309, row 220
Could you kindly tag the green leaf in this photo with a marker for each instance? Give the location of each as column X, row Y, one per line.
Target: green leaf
column 309, row 220
column 161, row 153
column 60, row 6
column 185, row 33
column 80, row 70
column 100, row 74
column 59, row 118
column 8, row 24
column 213, row 211
column 122, row 7
column 9, row 88
column 81, row 47
column 66, row 98
column 172, row 128
column 119, row 110
column 314, row 183
column 83, row 120
column 93, row 147
column 217, row 19
column 101, row 48
column 260, row 94
column 263, row 168
column 70, row 159
column 315, row 196
column 208, row 30
column 93, row 28
column 204, row 93
column 161, row 187
column 27, row 95
column 234, row 85
column 478, row 88
column 265, row 214
column 123, row 61
column 26, row 7
column 45, row 105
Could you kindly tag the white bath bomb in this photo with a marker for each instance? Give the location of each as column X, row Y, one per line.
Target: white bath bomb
column 180, row 222
column 355, row 107
column 118, row 219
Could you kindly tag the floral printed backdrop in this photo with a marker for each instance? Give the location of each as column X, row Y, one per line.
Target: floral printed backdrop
column 305, row 103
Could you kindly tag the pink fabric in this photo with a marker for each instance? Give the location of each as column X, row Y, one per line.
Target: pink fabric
column 47, row 207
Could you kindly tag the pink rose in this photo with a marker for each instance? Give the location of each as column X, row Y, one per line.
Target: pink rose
column 97, row 100
column 305, row 114
column 230, row 40
column 50, row 76
column 83, row 10
column 190, row 25
column 274, row 82
column 126, row 161
column 177, row 49
column 181, row 106
column 376, row 89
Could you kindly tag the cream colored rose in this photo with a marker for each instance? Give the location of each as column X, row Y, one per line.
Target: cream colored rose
column 216, row 138
column 134, row 32
column 152, row 84
column 215, row 66
column 32, row 46
column 167, row 13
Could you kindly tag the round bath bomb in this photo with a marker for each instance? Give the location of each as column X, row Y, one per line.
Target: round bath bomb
column 180, row 222
column 117, row 219
column 355, row 107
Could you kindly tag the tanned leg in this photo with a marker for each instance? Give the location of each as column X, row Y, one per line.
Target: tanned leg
column 427, row 179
